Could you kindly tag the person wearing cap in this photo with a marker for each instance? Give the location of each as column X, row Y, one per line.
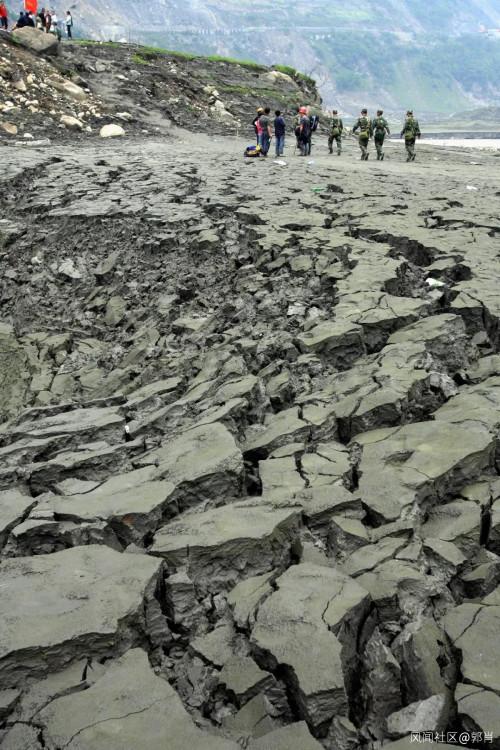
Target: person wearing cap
column 304, row 132
column 410, row 131
column 336, row 128
column 255, row 123
column 380, row 128
column 365, row 132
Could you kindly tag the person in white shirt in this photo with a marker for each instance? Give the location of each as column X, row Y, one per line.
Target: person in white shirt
column 69, row 25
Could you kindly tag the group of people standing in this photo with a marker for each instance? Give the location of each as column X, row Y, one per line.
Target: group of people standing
column 45, row 20
column 265, row 127
column 305, row 124
column 264, row 130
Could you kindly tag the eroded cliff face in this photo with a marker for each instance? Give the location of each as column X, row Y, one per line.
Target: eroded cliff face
column 70, row 91
column 249, row 488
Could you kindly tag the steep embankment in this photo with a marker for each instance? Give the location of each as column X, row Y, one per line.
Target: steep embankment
column 140, row 89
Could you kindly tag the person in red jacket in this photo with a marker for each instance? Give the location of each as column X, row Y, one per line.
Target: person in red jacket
column 4, row 16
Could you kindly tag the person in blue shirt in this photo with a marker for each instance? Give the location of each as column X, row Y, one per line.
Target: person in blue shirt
column 279, row 132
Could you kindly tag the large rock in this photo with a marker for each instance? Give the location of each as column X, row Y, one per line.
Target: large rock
column 111, row 131
column 224, row 545
column 72, row 123
column 72, row 90
column 86, row 601
column 37, row 41
column 309, row 629
column 127, row 708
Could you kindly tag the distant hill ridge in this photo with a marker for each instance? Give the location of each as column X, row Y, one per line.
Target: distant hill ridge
column 433, row 56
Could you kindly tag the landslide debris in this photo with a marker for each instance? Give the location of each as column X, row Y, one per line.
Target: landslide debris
column 249, row 491
column 79, row 90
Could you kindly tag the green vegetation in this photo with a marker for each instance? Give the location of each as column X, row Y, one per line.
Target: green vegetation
column 431, row 74
column 138, row 60
column 234, row 61
column 287, row 69
column 293, row 73
column 147, row 52
column 95, row 42
column 153, row 52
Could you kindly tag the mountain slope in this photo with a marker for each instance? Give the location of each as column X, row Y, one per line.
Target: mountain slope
column 438, row 56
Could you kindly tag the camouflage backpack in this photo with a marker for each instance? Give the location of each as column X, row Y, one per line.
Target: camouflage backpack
column 410, row 128
column 364, row 128
column 335, row 127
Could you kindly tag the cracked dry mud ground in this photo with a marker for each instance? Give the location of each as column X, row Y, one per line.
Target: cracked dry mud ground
column 249, row 491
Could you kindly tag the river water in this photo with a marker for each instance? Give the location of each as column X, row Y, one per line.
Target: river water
column 490, row 144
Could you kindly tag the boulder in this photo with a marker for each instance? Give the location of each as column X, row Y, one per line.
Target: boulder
column 72, row 123
column 111, row 131
column 36, row 41
column 9, row 127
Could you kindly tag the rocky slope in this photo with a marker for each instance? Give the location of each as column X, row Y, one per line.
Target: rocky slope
column 86, row 86
column 249, row 490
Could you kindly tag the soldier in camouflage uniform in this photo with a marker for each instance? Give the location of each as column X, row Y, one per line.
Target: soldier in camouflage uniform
column 365, row 132
column 380, row 128
column 411, row 131
column 336, row 128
